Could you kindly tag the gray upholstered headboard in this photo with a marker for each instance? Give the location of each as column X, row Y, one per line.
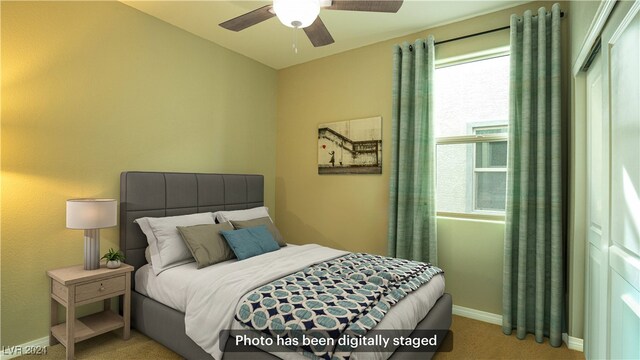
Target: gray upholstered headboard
column 157, row 194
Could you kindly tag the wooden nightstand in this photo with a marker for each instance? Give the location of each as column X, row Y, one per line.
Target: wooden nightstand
column 74, row 286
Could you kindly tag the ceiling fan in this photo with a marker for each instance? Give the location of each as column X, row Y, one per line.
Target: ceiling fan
column 304, row 14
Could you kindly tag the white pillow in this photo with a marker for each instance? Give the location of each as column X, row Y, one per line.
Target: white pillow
column 147, row 255
column 166, row 247
column 242, row 215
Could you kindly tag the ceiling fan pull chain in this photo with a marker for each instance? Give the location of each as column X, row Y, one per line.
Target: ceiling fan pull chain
column 295, row 40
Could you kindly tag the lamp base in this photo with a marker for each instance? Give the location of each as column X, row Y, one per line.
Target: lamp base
column 92, row 249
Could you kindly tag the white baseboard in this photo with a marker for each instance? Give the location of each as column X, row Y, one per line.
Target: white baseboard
column 573, row 343
column 9, row 352
column 477, row 315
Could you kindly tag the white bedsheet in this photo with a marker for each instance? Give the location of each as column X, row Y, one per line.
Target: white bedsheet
column 209, row 296
column 169, row 287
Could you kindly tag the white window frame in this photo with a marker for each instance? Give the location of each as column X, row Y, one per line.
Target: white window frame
column 475, row 138
column 476, row 170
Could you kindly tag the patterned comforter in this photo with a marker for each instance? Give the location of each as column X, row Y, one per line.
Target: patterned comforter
column 343, row 297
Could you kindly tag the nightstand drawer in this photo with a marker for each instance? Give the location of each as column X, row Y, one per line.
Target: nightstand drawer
column 100, row 288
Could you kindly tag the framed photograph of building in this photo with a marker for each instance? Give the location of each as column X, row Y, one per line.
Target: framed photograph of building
column 350, row 147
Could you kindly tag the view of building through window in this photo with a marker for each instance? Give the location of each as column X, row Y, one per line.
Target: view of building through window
column 471, row 114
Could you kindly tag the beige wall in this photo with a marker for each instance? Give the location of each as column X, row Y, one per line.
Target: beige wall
column 350, row 211
column 582, row 14
column 471, row 254
column 90, row 89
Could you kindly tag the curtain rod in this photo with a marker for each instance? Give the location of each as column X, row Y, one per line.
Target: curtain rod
column 480, row 33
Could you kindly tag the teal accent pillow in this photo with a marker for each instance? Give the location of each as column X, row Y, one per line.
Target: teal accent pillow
column 266, row 221
column 250, row 242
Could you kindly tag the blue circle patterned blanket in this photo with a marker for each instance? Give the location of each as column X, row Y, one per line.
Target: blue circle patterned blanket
column 343, row 297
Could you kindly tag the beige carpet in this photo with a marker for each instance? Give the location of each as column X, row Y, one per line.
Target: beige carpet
column 110, row 346
column 472, row 339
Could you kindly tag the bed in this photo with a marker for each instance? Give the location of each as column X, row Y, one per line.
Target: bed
column 159, row 194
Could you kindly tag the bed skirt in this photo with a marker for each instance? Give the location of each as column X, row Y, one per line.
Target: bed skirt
column 166, row 326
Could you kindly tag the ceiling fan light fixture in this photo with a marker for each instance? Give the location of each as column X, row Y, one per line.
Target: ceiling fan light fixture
column 296, row 13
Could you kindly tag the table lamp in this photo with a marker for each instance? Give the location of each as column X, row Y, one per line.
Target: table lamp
column 91, row 215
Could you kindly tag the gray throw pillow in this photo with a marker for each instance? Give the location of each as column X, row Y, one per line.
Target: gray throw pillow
column 206, row 243
column 261, row 221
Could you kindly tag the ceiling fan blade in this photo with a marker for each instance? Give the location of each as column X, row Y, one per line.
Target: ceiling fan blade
column 249, row 19
column 318, row 33
column 389, row 6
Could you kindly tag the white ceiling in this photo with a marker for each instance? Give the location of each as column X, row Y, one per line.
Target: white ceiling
column 270, row 42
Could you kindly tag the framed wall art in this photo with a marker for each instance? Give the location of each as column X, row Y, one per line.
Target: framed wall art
column 350, row 147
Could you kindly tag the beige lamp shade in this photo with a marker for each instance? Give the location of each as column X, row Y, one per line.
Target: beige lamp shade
column 91, row 213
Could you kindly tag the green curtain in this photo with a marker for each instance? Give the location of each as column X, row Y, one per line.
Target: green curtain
column 533, row 293
column 412, row 212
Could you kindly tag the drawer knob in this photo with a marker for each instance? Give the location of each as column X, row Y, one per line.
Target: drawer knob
column 101, row 288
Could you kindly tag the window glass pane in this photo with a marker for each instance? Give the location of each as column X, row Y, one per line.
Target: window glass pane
column 490, row 191
column 491, row 130
column 471, row 94
column 491, row 154
column 472, row 99
column 454, row 173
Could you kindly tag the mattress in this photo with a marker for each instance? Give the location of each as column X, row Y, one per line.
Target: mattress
column 170, row 289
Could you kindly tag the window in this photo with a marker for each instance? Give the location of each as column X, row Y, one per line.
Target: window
column 471, row 114
column 490, row 171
